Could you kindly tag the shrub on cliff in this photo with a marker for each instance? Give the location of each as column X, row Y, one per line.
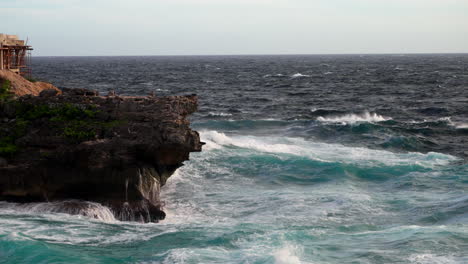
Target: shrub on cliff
column 74, row 123
column 5, row 86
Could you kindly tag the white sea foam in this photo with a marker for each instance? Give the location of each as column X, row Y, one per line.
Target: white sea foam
column 286, row 255
column 73, row 207
column 457, row 125
column 431, row 259
column 324, row 152
column 354, row 118
column 274, row 75
column 299, row 75
column 219, row 114
column 461, row 125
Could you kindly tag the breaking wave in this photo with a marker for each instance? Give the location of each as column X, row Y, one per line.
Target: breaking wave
column 286, row 255
column 299, row 75
column 73, row 207
column 324, row 152
column 354, row 118
column 461, row 125
column 220, row 114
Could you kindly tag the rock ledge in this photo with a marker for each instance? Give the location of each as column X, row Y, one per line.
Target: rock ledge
column 117, row 151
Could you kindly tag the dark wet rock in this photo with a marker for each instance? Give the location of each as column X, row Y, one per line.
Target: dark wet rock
column 117, row 151
column 48, row 93
column 3, row 162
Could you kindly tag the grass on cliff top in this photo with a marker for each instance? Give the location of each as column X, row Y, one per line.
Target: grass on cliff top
column 8, row 145
column 60, row 113
column 74, row 123
column 5, row 86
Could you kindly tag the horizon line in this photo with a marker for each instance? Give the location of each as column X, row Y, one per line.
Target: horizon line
column 266, row 54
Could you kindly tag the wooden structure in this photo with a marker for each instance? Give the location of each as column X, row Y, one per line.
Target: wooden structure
column 15, row 55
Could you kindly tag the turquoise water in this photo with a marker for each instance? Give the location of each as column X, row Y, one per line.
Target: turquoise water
column 269, row 199
column 309, row 159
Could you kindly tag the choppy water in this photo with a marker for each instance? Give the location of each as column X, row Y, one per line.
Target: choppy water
column 309, row 159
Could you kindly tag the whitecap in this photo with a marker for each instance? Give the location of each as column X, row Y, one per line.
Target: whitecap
column 431, row 259
column 461, row 125
column 354, row 118
column 299, row 75
column 286, row 255
column 456, row 125
column 324, row 152
column 278, row 75
column 221, row 114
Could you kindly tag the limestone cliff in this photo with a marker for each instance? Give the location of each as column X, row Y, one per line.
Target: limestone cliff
column 118, row 151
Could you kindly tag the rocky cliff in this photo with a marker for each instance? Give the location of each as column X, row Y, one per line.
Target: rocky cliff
column 118, row 151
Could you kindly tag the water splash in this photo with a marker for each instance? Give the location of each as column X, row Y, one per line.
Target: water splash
column 354, row 118
column 72, row 207
column 286, row 255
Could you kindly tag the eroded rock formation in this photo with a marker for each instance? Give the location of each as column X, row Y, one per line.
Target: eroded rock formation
column 118, row 151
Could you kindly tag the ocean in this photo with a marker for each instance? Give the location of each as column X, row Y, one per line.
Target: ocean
column 308, row 159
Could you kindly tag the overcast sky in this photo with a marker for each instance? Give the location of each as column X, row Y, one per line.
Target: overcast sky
column 210, row 27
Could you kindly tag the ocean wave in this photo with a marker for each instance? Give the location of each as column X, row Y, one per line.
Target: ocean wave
column 299, row 75
column 73, row 207
column 461, row 125
column 287, row 255
column 279, row 75
column 432, row 259
column 354, row 118
column 218, row 114
column 324, row 152
column 456, row 125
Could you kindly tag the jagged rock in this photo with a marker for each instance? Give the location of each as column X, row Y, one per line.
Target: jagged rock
column 119, row 152
column 80, row 92
column 48, row 93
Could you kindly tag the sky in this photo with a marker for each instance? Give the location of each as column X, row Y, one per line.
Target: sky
column 233, row 27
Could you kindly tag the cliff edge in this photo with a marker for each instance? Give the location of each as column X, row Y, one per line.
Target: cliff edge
column 118, row 151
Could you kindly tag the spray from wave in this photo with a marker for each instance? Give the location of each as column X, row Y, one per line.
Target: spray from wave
column 72, row 207
column 354, row 118
column 286, row 255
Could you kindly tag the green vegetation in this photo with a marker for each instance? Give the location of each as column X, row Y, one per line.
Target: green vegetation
column 5, row 86
column 59, row 113
column 7, row 147
column 73, row 122
column 77, row 123
column 79, row 130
